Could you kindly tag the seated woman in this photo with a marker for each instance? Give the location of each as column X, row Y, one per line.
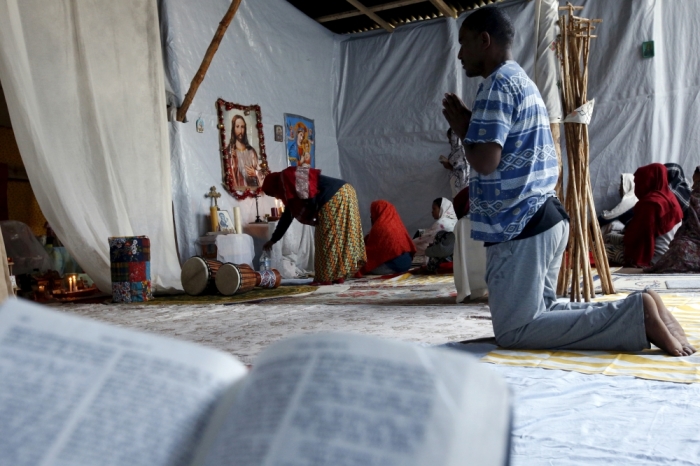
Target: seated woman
column 446, row 218
column 678, row 185
column 440, row 252
column 612, row 222
column 656, row 218
column 683, row 255
column 389, row 248
column 331, row 206
column 622, row 212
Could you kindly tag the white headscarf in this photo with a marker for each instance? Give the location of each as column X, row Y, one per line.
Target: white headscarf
column 446, row 222
column 448, row 217
column 628, row 198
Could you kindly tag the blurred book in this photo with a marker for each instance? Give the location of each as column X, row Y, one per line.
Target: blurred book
column 78, row 392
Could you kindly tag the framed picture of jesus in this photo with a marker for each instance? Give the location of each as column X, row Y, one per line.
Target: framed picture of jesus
column 243, row 157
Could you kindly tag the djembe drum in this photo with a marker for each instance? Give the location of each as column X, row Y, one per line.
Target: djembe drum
column 235, row 279
column 198, row 275
column 269, row 278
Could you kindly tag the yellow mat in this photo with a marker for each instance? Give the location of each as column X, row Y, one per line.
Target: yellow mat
column 650, row 364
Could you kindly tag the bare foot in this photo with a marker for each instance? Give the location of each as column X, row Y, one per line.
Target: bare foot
column 656, row 329
column 672, row 324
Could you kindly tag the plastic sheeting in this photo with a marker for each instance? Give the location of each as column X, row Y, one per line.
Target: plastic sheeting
column 294, row 254
column 546, row 74
column 84, row 88
column 391, row 130
column 272, row 55
column 570, row 418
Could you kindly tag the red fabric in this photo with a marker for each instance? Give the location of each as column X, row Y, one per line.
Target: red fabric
column 388, row 238
column 283, row 186
column 656, row 213
column 445, row 267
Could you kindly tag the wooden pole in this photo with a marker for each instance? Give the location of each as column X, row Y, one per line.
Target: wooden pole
column 576, row 275
column 206, row 61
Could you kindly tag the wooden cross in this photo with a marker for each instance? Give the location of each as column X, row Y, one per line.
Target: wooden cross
column 214, row 196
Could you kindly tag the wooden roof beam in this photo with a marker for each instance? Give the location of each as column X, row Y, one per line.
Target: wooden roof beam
column 371, row 14
column 444, row 8
column 373, row 9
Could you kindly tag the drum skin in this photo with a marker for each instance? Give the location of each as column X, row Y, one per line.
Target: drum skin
column 198, row 275
column 234, row 279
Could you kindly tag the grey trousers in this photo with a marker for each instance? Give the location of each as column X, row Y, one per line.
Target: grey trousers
column 522, row 277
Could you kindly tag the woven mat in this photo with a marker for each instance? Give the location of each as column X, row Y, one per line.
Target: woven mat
column 256, row 295
column 650, row 364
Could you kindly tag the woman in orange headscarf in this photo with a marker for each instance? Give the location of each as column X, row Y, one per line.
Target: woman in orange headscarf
column 656, row 218
column 389, row 247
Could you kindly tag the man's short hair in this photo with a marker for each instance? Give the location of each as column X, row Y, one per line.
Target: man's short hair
column 493, row 20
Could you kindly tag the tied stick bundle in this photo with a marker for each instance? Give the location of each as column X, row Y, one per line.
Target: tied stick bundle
column 575, row 275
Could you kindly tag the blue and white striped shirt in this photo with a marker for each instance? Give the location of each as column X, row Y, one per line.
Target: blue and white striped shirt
column 509, row 110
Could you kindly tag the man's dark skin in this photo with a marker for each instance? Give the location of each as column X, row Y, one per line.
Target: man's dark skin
column 480, row 56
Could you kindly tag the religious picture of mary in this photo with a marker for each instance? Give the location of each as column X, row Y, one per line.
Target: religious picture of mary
column 300, row 141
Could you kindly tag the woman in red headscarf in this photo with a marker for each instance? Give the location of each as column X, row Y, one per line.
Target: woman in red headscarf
column 331, row 206
column 389, row 247
column 656, row 218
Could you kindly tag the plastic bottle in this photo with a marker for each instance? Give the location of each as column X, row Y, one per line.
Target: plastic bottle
column 265, row 261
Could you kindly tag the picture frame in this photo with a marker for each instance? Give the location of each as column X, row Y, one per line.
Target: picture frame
column 243, row 157
column 226, row 222
column 279, row 133
column 301, row 141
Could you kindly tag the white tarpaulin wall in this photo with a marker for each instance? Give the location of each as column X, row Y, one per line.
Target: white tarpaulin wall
column 272, row 55
column 391, row 130
column 84, row 87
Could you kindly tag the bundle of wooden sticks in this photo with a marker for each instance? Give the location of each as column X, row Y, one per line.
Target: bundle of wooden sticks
column 575, row 276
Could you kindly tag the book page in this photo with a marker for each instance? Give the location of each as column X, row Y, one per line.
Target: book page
column 357, row 400
column 78, row 392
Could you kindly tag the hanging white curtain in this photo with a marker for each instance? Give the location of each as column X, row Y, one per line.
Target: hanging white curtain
column 84, row 85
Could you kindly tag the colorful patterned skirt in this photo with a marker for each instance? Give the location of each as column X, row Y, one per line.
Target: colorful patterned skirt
column 340, row 246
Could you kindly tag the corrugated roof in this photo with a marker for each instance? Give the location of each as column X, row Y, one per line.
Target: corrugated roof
column 353, row 16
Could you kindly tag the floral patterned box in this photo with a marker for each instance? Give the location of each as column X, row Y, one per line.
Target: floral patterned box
column 130, row 258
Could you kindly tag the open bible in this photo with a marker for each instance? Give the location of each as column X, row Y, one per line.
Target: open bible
column 78, row 392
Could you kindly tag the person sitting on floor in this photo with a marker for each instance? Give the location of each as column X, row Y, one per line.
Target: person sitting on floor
column 509, row 145
column 389, row 247
column 622, row 212
column 331, row 206
column 612, row 222
column 678, row 185
column 656, row 218
column 440, row 252
column 446, row 218
column 683, row 255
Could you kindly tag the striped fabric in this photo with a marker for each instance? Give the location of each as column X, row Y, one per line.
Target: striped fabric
column 650, row 364
column 340, row 246
column 509, row 110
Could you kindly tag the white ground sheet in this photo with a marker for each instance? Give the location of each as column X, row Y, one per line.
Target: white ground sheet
column 560, row 417
column 594, row 420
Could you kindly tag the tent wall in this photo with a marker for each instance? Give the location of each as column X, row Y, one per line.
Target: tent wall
column 272, row 55
column 391, row 130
